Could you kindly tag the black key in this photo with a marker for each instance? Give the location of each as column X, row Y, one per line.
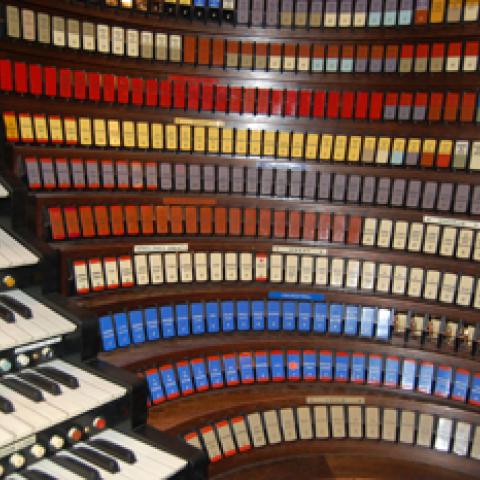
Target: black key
column 24, row 389
column 16, row 306
column 6, row 314
column 6, row 406
column 114, row 450
column 60, row 377
column 40, row 382
column 37, row 475
column 74, row 466
column 96, row 458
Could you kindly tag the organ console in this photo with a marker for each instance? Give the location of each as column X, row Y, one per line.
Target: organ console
column 239, row 238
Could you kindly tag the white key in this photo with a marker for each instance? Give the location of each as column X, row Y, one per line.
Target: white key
column 23, row 408
column 6, row 437
column 129, row 471
column 84, row 400
column 3, row 192
column 6, row 341
column 48, row 408
column 13, row 252
column 105, row 475
column 64, row 402
column 104, row 390
column 46, row 466
column 51, row 320
column 15, row 425
column 149, row 457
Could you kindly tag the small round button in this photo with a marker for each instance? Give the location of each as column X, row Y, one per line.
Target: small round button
column 37, row 450
column 5, row 365
column 9, row 281
column 23, row 360
column 56, row 442
column 47, row 352
column 74, row 434
column 99, row 423
column 17, row 460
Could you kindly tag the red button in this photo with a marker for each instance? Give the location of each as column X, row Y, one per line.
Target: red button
column 74, row 434
column 99, row 423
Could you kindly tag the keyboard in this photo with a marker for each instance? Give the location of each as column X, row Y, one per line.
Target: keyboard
column 24, row 320
column 107, row 455
column 13, row 253
column 40, row 398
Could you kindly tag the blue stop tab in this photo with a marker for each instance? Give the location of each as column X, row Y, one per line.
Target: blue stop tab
column 169, row 381
column 288, row 316
column 425, row 378
column 121, row 327
column 215, row 371
column 461, row 385
column 167, row 320
column 309, row 365
column 246, row 367
column 342, row 367
column 392, row 371
column 151, row 321
column 320, row 317
column 198, row 319
column 136, row 326
column 155, row 388
column 304, row 316
column 243, row 315
column 107, row 333
column 293, row 365
column 277, row 365
column 213, row 322
column 261, row 367
column 228, row 317
column 367, row 321
column 351, row 320
column 273, row 315
column 325, row 365
column 335, row 319
column 183, row 320
column 258, row 315
column 185, row 378
column 358, row 368
column 443, row 382
column 230, row 368
column 199, row 374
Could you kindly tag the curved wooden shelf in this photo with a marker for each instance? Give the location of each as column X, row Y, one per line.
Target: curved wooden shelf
column 187, row 413
column 180, row 25
column 140, row 296
column 148, row 355
column 107, row 64
column 45, row 55
column 79, row 249
column 343, row 460
column 375, row 169
column 77, row 109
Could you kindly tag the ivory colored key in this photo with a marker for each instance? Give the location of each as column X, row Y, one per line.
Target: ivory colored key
column 13, row 253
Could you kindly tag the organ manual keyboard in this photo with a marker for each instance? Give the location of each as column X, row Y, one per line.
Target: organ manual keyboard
column 50, row 401
column 13, row 253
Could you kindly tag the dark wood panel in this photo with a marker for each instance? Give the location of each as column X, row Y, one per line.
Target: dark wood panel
column 343, row 460
column 63, row 107
column 269, row 79
column 142, row 357
column 139, row 297
column 179, row 25
column 187, row 413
